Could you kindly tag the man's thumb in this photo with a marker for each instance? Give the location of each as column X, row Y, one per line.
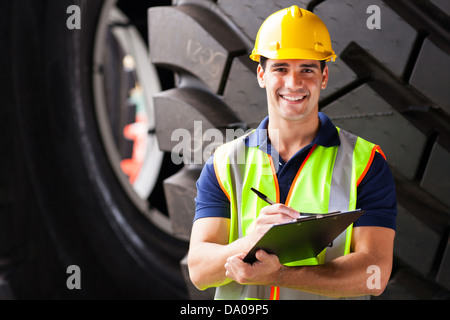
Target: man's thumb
column 261, row 255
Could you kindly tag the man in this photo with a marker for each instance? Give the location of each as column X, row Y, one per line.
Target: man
column 320, row 168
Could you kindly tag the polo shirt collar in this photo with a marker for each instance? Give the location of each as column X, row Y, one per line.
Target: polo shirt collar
column 326, row 137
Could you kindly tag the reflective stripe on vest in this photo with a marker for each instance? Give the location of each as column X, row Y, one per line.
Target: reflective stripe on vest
column 326, row 181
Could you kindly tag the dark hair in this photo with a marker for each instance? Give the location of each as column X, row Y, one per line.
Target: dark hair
column 263, row 60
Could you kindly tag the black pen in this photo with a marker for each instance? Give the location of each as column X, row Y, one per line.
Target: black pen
column 262, row 196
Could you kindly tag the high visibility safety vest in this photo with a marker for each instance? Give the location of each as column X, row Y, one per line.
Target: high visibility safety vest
column 326, row 181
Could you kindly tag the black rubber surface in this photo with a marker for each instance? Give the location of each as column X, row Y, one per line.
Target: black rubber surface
column 62, row 203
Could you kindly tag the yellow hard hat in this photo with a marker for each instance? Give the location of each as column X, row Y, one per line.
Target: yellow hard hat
column 293, row 33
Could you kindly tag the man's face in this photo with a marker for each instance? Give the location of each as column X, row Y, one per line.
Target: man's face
column 293, row 87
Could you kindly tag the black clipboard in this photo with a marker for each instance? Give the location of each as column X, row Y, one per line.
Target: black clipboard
column 303, row 238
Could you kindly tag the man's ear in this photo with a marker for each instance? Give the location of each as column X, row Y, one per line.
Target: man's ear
column 260, row 76
column 325, row 77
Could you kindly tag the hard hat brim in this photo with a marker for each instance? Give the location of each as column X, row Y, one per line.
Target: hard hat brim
column 294, row 54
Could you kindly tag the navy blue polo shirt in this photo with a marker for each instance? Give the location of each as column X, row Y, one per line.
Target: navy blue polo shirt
column 375, row 193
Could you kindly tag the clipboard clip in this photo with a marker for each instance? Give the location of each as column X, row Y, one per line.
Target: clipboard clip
column 317, row 215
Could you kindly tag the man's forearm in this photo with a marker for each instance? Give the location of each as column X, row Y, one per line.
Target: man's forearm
column 343, row 277
column 206, row 262
column 206, row 266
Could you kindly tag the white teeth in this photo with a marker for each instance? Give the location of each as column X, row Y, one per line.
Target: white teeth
column 292, row 98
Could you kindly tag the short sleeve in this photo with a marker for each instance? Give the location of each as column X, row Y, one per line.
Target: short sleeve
column 211, row 201
column 376, row 195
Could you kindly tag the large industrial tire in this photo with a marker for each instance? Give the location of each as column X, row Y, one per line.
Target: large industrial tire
column 388, row 85
column 63, row 201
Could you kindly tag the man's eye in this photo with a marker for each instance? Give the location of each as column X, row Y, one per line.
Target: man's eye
column 307, row 70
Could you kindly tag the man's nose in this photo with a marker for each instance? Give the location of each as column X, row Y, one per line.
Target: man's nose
column 294, row 81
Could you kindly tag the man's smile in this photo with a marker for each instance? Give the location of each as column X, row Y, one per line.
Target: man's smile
column 293, row 97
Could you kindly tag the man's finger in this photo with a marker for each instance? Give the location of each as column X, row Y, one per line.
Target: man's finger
column 281, row 208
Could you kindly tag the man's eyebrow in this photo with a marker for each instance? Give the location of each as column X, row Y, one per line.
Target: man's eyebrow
column 309, row 65
column 279, row 64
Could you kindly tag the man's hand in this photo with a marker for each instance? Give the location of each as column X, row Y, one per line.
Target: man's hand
column 274, row 214
column 266, row 271
column 209, row 248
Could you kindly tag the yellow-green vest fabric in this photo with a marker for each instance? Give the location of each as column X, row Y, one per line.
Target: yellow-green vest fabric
column 326, row 181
